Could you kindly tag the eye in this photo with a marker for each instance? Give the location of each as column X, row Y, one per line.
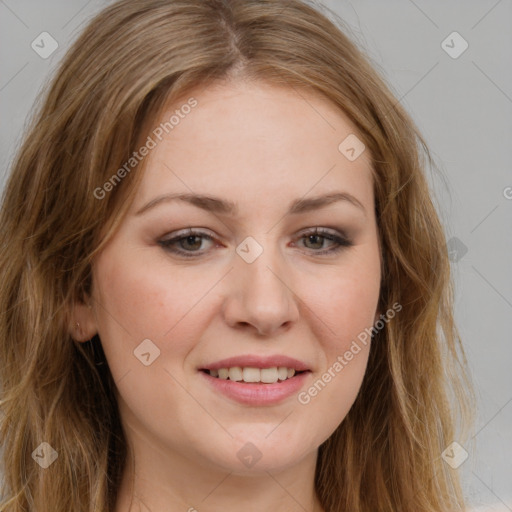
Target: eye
column 188, row 243
column 185, row 240
column 318, row 236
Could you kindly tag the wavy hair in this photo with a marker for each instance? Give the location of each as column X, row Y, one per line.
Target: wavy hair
column 131, row 60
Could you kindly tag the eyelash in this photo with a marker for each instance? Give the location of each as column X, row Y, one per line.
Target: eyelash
column 341, row 242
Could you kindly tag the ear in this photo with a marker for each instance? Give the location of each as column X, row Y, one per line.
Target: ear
column 377, row 316
column 83, row 321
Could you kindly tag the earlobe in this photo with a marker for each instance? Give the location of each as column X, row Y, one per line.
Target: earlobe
column 83, row 323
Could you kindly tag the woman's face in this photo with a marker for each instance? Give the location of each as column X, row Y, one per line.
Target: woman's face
column 252, row 283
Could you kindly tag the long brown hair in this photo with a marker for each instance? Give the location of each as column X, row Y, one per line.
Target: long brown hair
column 133, row 58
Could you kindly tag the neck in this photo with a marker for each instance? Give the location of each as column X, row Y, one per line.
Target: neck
column 168, row 482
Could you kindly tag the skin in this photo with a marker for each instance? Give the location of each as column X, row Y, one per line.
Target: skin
column 262, row 147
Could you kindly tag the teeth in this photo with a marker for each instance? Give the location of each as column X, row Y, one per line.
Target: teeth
column 269, row 375
column 251, row 374
column 235, row 373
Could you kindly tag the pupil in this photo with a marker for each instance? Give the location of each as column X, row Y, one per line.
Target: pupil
column 191, row 239
column 312, row 237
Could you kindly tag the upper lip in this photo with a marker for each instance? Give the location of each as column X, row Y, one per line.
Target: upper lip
column 255, row 361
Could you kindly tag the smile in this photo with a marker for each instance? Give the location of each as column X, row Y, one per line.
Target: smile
column 254, row 375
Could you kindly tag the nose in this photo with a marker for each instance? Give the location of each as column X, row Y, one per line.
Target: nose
column 260, row 297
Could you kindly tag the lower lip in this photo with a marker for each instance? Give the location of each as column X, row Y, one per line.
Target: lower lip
column 257, row 394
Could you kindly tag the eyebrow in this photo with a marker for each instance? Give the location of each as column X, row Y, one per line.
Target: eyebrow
column 222, row 206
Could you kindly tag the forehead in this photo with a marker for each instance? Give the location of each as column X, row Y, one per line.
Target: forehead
column 253, row 142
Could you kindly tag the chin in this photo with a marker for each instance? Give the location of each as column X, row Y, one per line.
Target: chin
column 250, row 454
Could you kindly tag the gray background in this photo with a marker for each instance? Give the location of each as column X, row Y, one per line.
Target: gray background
column 463, row 106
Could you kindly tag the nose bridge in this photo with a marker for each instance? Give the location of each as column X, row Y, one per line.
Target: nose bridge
column 262, row 278
column 262, row 297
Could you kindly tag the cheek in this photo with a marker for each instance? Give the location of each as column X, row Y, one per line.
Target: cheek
column 345, row 307
column 140, row 300
column 345, row 301
column 138, row 295
column 349, row 307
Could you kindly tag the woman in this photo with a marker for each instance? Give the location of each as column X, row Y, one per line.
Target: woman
column 224, row 282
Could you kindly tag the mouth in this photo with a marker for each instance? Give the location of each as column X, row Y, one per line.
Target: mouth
column 255, row 380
